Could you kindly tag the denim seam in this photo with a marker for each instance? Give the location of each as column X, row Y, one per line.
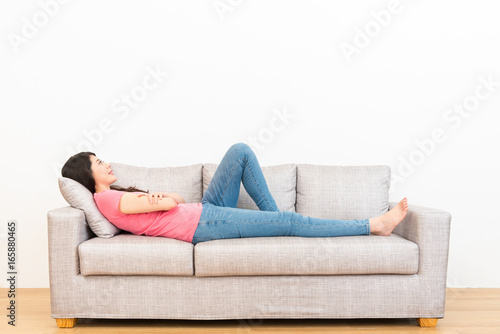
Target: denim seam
column 225, row 187
column 258, row 187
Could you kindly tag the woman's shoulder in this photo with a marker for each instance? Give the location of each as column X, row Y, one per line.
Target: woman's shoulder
column 108, row 192
column 108, row 201
column 114, row 191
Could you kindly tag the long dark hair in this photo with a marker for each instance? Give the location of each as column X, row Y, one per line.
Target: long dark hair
column 78, row 168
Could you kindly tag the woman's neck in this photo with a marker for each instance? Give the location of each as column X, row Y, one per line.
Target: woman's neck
column 101, row 188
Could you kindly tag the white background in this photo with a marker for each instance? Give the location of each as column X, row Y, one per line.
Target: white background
column 231, row 70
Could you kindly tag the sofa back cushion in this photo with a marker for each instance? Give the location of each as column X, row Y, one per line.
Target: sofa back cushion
column 281, row 181
column 342, row 192
column 183, row 180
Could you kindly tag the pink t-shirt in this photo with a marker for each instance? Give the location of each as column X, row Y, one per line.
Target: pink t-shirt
column 178, row 223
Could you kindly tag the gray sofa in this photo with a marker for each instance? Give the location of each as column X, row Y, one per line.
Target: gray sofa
column 120, row 275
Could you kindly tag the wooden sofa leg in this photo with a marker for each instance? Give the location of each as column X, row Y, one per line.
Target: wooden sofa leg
column 427, row 322
column 66, row 322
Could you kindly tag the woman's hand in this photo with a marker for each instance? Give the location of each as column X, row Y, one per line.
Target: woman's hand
column 154, row 197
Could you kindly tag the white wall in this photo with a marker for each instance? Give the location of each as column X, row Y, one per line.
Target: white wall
column 230, row 71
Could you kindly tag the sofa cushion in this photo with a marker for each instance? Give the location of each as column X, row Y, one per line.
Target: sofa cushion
column 129, row 254
column 342, row 192
column 81, row 198
column 281, row 181
column 284, row 255
column 184, row 180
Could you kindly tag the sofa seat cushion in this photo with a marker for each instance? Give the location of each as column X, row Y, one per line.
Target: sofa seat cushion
column 129, row 254
column 284, row 255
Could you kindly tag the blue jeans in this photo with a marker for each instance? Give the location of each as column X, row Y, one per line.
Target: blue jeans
column 221, row 219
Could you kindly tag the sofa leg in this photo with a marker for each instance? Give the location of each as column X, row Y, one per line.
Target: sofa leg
column 66, row 322
column 427, row 322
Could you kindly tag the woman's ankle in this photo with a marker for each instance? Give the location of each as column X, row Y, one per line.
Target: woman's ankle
column 375, row 225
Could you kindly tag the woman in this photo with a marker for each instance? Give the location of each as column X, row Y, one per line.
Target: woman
column 216, row 217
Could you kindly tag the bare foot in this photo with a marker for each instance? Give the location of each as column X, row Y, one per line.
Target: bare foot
column 386, row 223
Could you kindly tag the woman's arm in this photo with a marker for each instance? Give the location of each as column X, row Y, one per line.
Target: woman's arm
column 131, row 203
column 176, row 197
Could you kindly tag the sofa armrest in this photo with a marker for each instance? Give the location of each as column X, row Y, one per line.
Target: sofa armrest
column 430, row 229
column 67, row 228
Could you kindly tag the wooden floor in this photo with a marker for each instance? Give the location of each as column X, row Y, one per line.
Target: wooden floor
column 474, row 311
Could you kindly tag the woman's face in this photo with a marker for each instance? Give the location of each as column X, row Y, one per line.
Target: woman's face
column 102, row 173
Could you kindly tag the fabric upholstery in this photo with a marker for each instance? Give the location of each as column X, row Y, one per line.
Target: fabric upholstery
column 72, row 244
column 307, row 256
column 281, row 181
column 244, row 297
column 81, row 198
column 67, row 228
column 129, row 254
column 342, row 192
column 430, row 229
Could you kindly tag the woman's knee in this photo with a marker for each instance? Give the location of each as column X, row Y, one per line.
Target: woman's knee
column 242, row 148
column 291, row 216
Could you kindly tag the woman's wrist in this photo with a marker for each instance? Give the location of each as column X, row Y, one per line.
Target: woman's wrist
column 172, row 198
column 173, row 202
column 176, row 197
